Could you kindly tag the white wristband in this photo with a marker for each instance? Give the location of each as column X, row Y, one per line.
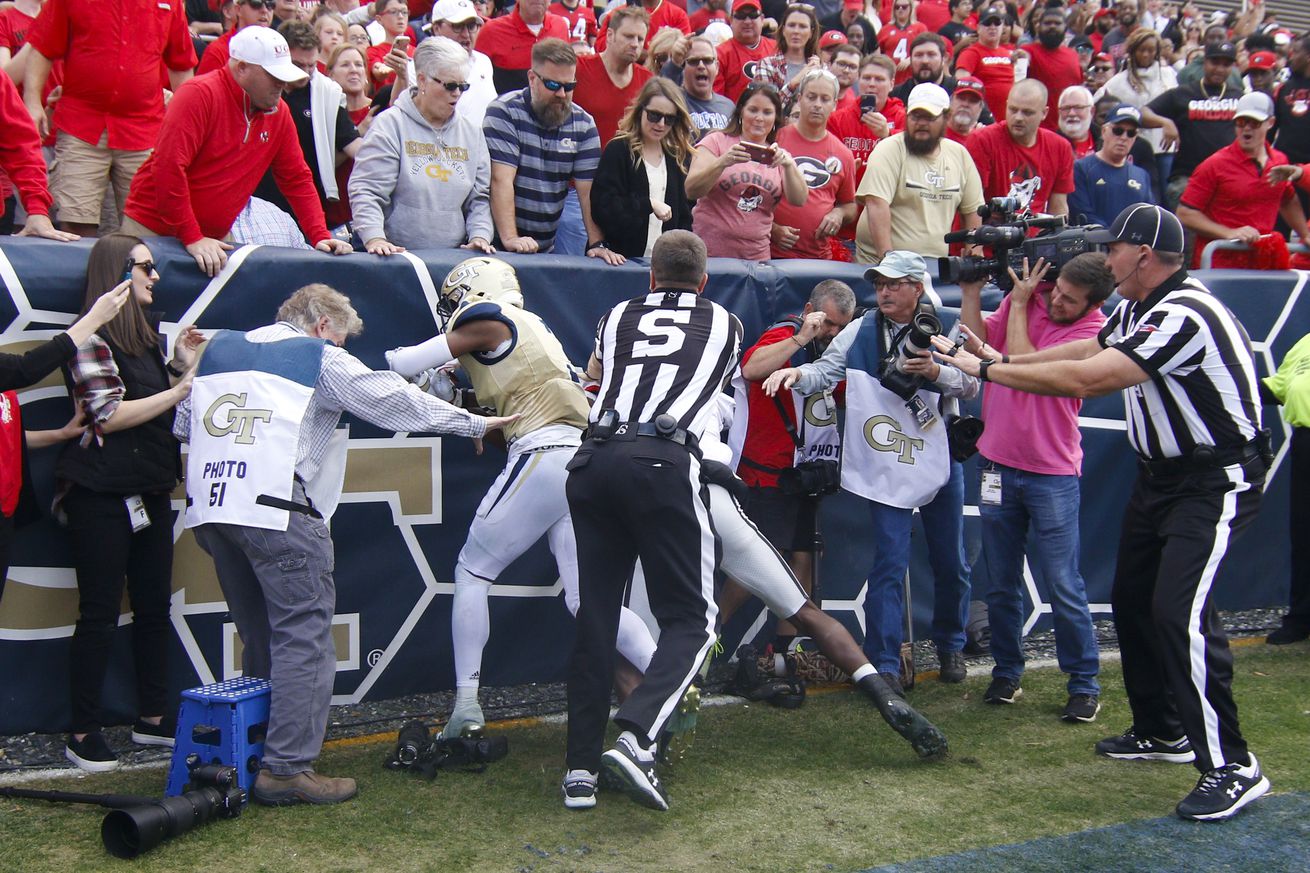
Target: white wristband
column 409, row 361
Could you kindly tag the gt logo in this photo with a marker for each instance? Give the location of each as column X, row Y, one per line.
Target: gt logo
column 883, row 436
column 239, row 420
column 819, row 411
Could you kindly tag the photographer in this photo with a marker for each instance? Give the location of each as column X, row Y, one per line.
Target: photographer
column 1031, row 458
column 772, row 435
column 897, row 456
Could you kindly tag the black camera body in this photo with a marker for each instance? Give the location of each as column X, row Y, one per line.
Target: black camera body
column 923, row 326
column 419, row 751
column 1006, row 232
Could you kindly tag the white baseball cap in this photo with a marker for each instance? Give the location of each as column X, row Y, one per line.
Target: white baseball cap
column 929, row 97
column 266, row 48
column 1257, row 106
column 454, row 11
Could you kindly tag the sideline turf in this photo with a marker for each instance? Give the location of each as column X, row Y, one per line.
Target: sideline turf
column 827, row 787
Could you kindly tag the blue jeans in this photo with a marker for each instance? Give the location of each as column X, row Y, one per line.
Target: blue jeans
column 1050, row 505
column 571, row 233
column 884, row 601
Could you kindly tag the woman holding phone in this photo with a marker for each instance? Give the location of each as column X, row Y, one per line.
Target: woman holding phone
column 113, row 493
column 738, row 176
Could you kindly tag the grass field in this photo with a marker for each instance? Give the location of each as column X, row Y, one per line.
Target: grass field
column 827, row 787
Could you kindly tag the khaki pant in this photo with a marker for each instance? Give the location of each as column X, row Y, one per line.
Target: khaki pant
column 83, row 173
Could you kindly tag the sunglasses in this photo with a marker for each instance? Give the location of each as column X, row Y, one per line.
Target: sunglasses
column 1130, row 132
column 665, row 118
column 699, row 62
column 993, row 22
column 452, row 87
column 554, row 86
column 745, row 15
column 1103, row 69
column 147, row 266
column 259, row 4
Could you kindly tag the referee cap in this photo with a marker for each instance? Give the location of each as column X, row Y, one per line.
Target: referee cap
column 898, row 265
column 1143, row 224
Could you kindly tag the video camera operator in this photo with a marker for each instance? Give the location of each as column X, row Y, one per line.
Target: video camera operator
column 897, row 456
column 1031, row 458
column 784, row 443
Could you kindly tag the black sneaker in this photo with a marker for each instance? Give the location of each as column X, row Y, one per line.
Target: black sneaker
column 1132, row 747
column 1221, row 792
column 1287, row 634
column 580, row 789
column 1002, row 690
column 146, row 734
column 952, row 668
column 91, row 753
column 894, row 683
column 1081, row 707
column 634, row 768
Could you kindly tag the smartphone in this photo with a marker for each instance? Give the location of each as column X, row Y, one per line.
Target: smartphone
column 127, row 269
column 761, row 153
column 868, row 103
column 401, row 44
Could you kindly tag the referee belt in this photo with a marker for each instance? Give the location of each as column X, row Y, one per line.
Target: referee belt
column 1203, row 459
column 630, row 430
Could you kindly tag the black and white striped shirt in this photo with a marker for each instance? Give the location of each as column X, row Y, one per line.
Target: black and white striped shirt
column 1202, row 389
column 667, row 351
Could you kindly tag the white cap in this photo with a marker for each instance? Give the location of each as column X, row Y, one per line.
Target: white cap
column 1257, row 106
column 454, row 11
column 929, row 97
column 266, row 48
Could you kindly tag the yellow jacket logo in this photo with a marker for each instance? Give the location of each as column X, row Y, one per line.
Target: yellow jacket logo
column 238, row 419
column 883, row 435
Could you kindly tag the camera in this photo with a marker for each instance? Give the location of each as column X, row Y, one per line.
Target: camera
column 1006, row 229
column 917, row 339
column 419, row 751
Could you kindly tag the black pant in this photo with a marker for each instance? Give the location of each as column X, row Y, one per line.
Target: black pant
column 637, row 498
column 1298, row 598
column 1177, row 667
column 105, row 550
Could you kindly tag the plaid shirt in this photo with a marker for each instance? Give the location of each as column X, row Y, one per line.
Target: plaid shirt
column 97, row 387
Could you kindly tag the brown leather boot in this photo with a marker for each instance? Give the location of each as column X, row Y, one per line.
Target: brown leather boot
column 306, row 787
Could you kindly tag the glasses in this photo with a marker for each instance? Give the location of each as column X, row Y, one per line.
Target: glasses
column 892, row 283
column 993, row 22
column 665, row 118
column 1247, row 122
column 452, row 87
column 1130, row 132
column 844, row 65
column 259, row 4
column 399, row 10
column 900, row 6
column 1103, row 69
column 147, row 266
column 465, row 26
column 1078, row 109
column 745, row 15
column 699, row 62
column 553, row 85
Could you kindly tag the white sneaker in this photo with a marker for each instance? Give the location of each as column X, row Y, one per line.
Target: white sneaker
column 580, row 789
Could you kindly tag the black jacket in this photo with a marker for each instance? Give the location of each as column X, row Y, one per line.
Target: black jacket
column 20, row 371
column 620, row 199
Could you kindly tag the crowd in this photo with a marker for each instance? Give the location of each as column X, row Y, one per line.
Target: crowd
column 849, row 131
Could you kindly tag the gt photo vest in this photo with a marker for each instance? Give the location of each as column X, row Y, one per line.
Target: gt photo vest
column 889, row 458
column 247, row 404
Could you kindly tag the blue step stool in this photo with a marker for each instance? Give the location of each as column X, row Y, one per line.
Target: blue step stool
column 223, row 723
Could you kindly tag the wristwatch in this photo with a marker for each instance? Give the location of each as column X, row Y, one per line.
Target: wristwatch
column 982, row 369
column 174, row 371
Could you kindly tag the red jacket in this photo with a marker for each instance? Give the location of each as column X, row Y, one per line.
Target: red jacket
column 211, row 155
column 20, row 151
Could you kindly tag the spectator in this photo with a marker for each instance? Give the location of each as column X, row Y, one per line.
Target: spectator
column 807, row 231
column 898, row 462
column 895, row 37
column 510, row 39
column 851, row 20
column 798, row 52
column 531, row 168
column 326, row 134
column 1020, row 159
column 1107, row 182
column 829, row 41
column 581, row 19
column 918, row 183
column 1261, row 71
column 114, row 495
column 211, row 155
column 109, row 115
column 1289, row 387
column 736, row 194
column 660, row 15
column 739, row 56
column 348, row 67
column 248, row 13
column 422, row 179
column 1198, row 117
column 287, row 10
column 1126, row 24
column 1292, row 108
column 1102, row 23
column 990, row 60
column 1195, row 69
column 394, row 17
column 1075, row 113
column 640, row 188
column 959, row 28
column 458, row 20
column 608, row 82
column 15, row 24
column 927, row 64
column 1231, row 196
column 1030, row 455
column 1099, row 72
column 932, row 14
column 709, row 111
column 330, row 28
column 357, row 35
column 1145, row 77
column 664, row 52
column 875, row 117
column 21, row 161
column 1052, row 63
column 967, row 106
column 845, row 65
column 762, row 425
column 710, row 11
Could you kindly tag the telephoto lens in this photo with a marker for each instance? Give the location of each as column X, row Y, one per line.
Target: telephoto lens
column 136, row 830
column 412, row 741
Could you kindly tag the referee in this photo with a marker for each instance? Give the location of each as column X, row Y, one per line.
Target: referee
column 1187, row 373
column 634, row 491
